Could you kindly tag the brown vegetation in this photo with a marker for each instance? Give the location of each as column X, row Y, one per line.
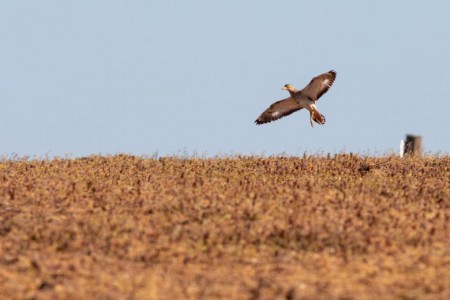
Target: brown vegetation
column 121, row 227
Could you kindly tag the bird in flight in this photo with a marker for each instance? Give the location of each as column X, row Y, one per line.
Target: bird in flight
column 305, row 98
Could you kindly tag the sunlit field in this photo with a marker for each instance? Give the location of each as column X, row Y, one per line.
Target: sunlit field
column 313, row 227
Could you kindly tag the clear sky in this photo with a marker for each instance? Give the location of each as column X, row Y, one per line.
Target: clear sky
column 175, row 77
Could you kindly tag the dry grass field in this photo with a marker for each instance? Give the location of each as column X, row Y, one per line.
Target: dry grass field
column 124, row 227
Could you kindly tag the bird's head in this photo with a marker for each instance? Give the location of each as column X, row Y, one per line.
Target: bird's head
column 289, row 87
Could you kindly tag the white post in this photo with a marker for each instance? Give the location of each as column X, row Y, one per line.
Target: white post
column 402, row 148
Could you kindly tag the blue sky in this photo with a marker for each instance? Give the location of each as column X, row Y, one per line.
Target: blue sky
column 174, row 77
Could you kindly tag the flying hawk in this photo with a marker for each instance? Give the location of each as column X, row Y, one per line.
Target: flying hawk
column 305, row 98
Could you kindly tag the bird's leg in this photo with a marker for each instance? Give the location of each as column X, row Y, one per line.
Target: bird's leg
column 311, row 114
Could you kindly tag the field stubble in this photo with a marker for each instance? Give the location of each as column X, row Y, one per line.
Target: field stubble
column 345, row 227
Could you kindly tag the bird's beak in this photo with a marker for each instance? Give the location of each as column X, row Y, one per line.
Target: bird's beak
column 284, row 88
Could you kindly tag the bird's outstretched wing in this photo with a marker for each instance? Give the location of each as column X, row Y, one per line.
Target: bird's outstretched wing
column 278, row 110
column 319, row 85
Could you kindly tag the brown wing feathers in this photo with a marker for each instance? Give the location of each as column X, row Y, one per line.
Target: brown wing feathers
column 278, row 110
column 319, row 85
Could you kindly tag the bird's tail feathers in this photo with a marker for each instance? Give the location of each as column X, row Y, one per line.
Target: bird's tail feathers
column 319, row 118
